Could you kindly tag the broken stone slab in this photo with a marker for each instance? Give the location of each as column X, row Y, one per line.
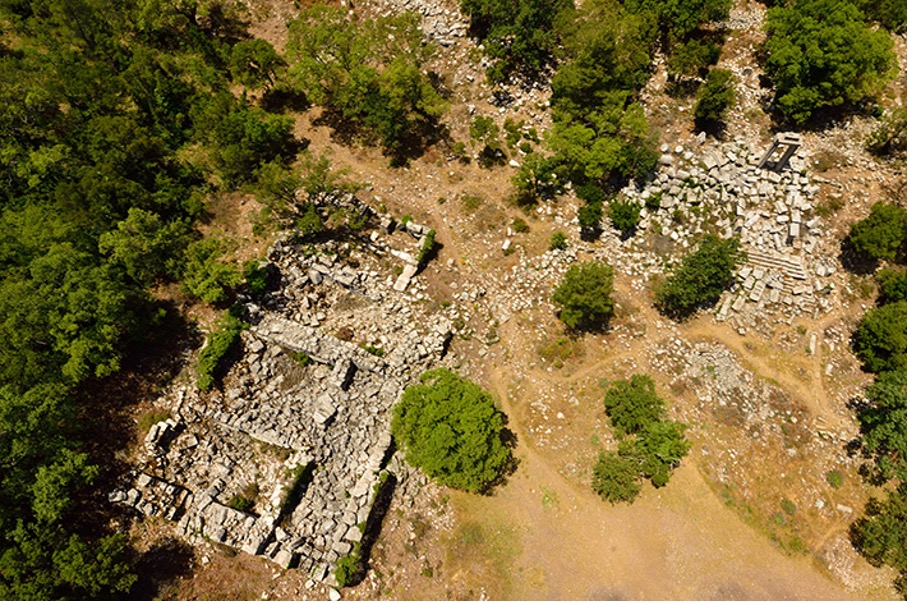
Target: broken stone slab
column 400, row 285
column 324, row 410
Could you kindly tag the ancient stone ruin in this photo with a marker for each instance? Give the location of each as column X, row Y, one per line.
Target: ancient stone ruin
column 287, row 462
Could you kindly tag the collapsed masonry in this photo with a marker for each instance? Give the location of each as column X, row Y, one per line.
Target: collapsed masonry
column 303, row 425
column 723, row 188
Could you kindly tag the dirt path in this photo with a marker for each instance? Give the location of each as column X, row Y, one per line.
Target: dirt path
column 676, row 543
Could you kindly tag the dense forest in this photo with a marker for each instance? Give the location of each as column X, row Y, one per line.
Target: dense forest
column 119, row 120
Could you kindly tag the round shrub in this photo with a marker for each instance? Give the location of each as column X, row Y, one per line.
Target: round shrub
column 584, row 296
column 450, row 428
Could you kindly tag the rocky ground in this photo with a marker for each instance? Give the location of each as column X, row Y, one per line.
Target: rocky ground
column 763, row 380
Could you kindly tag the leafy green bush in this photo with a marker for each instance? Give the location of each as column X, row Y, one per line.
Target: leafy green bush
column 205, row 276
column 701, row 278
column 347, row 567
column 625, row 216
column 693, row 58
column 883, row 423
column 558, row 240
column 892, row 283
column 835, row 479
column 256, row 276
column 633, row 404
column 428, row 246
column 890, row 13
column 659, row 447
column 584, row 296
column 880, row 534
column 590, row 218
column 519, row 35
column 519, row 225
column 716, row 96
column 221, row 343
column 880, row 235
column 821, row 54
column 450, row 428
column 891, row 135
column 484, row 132
column 616, row 478
column 879, row 340
column 241, row 503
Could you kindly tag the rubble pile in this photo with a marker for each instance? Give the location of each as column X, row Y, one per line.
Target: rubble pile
column 287, row 461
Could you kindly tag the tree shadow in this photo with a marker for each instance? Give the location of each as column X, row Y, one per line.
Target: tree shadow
column 509, row 439
column 713, row 127
column 160, row 567
column 682, row 87
column 106, row 420
column 854, row 261
column 282, row 100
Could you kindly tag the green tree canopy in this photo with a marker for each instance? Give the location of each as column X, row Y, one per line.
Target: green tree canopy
column 701, row 278
column 450, row 428
column 880, row 534
column 879, row 341
column 616, row 477
column 370, row 72
column 880, row 235
column 519, row 36
column 821, row 54
column 633, row 404
column 255, row 63
column 584, row 296
column 716, row 96
column 883, row 423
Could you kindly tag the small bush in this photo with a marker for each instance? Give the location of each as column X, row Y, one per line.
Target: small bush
column 835, row 479
column 348, row 567
column 428, row 246
column 301, row 358
column 241, row 503
column 881, row 235
column 376, row 351
column 221, row 343
column 584, row 296
column 450, row 428
column 558, row 241
column 616, row 477
column 149, row 419
column 625, row 216
column 716, row 96
column 701, row 278
column 471, row 202
column 519, row 225
column 256, row 276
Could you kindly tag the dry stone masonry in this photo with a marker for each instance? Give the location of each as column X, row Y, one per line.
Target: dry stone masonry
column 287, row 461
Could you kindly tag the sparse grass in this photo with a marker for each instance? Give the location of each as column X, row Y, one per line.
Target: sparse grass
column 830, row 206
column 301, row 358
column 471, row 202
column 835, row 479
column 560, row 350
column 788, row 506
column 549, row 499
column 151, row 418
column 374, row 350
